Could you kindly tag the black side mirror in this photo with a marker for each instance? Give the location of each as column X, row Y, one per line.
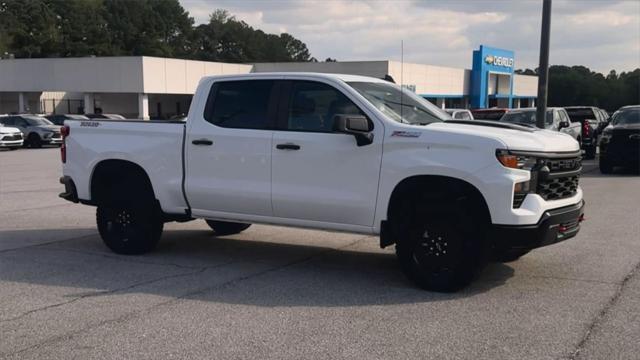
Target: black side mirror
column 356, row 125
column 563, row 124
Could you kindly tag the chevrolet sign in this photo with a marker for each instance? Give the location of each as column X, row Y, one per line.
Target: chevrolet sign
column 499, row 61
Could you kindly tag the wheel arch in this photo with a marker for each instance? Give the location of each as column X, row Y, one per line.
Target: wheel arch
column 436, row 188
column 110, row 172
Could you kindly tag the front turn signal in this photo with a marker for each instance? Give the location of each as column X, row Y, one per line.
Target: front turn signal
column 508, row 160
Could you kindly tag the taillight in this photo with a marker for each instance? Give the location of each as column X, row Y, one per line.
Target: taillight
column 64, row 131
column 585, row 128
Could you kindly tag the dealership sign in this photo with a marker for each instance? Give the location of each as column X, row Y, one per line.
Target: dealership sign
column 499, row 61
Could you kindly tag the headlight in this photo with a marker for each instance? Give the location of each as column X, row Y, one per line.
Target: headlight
column 513, row 161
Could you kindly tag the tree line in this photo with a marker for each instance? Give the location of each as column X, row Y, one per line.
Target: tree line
column 66, row 28
column 578, row 85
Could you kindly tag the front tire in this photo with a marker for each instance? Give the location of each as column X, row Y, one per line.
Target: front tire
column 227, row 228
column 605, row 166
column 35, row 141
column 129, row 229
column 441, row 252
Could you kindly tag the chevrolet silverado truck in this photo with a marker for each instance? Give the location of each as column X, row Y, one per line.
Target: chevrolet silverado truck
column 333, row 152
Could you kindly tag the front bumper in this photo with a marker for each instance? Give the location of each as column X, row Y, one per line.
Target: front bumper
column 11, row 143
column 554, row 226
column 52, row 141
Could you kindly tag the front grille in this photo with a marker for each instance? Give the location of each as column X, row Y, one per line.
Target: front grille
column 559, row 188
column 12, row 137
column 558, row 178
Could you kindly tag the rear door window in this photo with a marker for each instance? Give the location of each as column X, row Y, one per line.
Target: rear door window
column 245, row 104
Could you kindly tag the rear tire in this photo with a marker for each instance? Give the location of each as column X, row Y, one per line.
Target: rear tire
column 590, row 152
column 129, row 229
column 227, row 228
column 605, row 166
column 441, row 252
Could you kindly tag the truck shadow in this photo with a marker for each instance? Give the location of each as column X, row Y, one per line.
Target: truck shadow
column 618, row 172
column 242, row 269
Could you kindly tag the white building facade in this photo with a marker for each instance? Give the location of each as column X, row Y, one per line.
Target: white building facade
column 159, row 88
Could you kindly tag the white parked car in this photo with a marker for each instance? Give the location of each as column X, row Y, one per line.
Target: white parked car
column 460, row 114
column 37, row 130
column 10, row 137
column 333, row 152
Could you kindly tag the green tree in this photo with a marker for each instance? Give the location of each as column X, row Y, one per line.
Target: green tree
column 28, row 28
column 578, row 85
column 225, row 38
column 149, row 27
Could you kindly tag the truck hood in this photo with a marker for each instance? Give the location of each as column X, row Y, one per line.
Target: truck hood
column 516, row 138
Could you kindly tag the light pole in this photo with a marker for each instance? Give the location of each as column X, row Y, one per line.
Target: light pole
column 543, row 68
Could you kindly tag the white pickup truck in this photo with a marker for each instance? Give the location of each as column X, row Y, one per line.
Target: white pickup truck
column 334, row 152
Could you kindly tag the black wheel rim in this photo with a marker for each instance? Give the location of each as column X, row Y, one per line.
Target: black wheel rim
column 434, row 250
column 121, row 224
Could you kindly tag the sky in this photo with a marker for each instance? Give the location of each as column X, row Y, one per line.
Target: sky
column 599, row 34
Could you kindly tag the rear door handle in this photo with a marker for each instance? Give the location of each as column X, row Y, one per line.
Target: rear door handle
column 202, row 142
column 288, row 147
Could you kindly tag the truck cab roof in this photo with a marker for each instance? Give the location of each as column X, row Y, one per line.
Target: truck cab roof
column 271, row 75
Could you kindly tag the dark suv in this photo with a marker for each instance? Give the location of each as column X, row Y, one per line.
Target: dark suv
column 620, row 141
column 592, row 120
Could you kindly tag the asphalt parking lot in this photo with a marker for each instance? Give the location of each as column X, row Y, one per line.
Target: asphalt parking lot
column 279, row 293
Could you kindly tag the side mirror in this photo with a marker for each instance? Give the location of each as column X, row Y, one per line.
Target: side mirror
column 356, row 125
column 563, row 124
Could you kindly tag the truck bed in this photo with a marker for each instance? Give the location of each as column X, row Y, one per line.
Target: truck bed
column 156, row 146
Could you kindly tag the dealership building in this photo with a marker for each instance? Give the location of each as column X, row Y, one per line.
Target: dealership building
column 150, row 87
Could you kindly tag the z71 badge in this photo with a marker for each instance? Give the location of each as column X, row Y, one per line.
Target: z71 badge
column 409, row 134
column 90, row 123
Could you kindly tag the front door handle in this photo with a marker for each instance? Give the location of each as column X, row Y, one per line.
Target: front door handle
column 288, row 147
column 202, row 142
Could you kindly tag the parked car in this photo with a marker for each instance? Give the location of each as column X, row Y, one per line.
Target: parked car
column 10, row 137
column 105, row 116
column 489, row 114
column 335, row 152
column 593, row 120
column 620, row 140
column 37, row 131
column 58, row 119
column 556, row 119
column 460, row 114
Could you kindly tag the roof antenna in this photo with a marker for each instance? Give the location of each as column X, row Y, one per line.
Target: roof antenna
column 401, row 80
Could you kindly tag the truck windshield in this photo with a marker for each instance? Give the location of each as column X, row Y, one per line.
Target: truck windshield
column 626, row 117
column 404, row 107
column 527, row 117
